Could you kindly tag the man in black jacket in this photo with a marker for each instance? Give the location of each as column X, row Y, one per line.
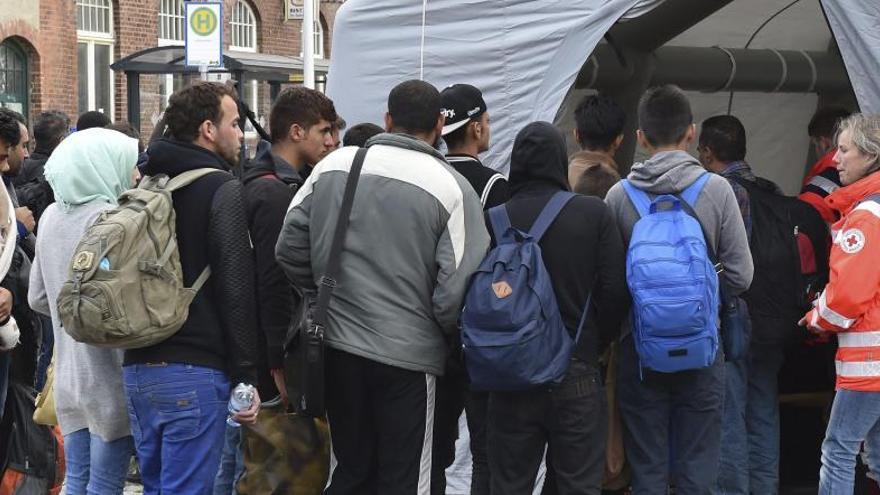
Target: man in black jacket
column 301, row 129
column 50, row 128
column 178, row 389
column 466, row 132
column 584, row 254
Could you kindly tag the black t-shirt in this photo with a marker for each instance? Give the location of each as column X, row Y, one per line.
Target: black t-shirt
column 490, row 185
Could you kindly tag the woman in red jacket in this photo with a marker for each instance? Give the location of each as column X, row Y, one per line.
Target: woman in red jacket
column 850, row 306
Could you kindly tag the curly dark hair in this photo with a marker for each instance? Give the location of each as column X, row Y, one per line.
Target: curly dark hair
column 299, row 105
column 189, row 107
column 10, row 131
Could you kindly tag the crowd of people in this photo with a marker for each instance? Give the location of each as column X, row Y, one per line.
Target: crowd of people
column 666, row 379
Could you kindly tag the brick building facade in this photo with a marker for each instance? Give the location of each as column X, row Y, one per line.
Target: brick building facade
column 55, row 54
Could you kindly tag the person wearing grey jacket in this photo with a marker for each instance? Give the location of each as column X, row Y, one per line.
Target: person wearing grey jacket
column 415, row 236
column 676, row 415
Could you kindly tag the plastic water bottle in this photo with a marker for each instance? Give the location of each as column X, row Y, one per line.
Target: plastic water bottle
column 242, row 398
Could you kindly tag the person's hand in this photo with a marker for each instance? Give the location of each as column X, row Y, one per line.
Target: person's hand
column 280, row 384
column 5, row 304
column 812, row 329
column 249, row 416
column 26, row 217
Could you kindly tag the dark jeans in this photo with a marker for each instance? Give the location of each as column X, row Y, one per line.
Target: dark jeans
column 231, row 462
column 672, row 425
column 382, row 423
column 453, row 396
column 570, row 420
column 178, row 417
column 47, row 346
column 4, row 380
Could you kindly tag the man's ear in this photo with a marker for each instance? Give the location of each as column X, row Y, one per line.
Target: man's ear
column 642, row 140
column 617, row 142
column 207, row 131
column 389, row 122
column 438, row 126
column 576, row 135
column 296, row 133
column 689, row 136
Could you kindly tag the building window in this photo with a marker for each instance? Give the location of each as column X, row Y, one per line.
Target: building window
column 318, row 32
column 13, row 77
column 243, row 27
column 171, row 22
column 94, row 25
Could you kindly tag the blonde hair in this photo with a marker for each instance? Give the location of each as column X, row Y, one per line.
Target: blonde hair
column 864, row 130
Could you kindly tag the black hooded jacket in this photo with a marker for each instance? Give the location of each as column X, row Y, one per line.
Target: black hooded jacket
column 220, row 332
column 269, row 185
column 582, row 249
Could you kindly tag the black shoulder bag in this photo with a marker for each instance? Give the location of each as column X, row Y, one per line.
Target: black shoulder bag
column 306, row 390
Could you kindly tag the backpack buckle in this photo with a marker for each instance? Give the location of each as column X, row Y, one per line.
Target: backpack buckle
column 328, row 282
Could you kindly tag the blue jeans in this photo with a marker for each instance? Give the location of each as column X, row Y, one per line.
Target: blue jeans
column 178, row 416
column 733, row 474
column 95, row 467
column 855, row 417
column 672, row 424
column 47, row 345
column 762, row 417
column 231, row 463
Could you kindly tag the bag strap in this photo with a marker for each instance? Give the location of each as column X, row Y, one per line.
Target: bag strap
column 549, row 213
column 331, row 271
column 577, row 336
column 640, row 199
column 724, row 292
column 186, row 178
column 500, row 221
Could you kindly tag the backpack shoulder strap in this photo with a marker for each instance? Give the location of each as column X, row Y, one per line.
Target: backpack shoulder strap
column 549, row 213
column 500, row 222
column 188, row 177
column 692, row 192
column 640, row 199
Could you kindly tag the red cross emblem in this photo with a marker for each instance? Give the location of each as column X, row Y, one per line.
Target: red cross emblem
column 852, row 240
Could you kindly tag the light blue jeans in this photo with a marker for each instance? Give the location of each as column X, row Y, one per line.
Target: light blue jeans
column 95, row 467
column 855, row 418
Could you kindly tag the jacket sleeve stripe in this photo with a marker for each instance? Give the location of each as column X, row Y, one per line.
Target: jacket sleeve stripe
column 832, row 316
column 487, row 189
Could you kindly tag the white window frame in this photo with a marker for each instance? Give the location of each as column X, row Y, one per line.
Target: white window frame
column 238, row 26
column 318, row 31
column 175, row 18
column 92, row 38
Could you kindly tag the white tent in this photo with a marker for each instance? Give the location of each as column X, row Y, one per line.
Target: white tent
column 526, row 55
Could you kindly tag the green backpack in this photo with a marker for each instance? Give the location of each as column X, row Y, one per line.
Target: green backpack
column 126, row 286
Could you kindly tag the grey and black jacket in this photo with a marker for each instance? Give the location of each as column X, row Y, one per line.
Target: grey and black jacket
column 415, row 237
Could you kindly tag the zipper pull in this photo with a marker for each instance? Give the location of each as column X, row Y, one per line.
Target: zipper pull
column 795, row 230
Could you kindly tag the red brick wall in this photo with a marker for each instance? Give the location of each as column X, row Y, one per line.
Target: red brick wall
column 53, row 55
column 51, row 52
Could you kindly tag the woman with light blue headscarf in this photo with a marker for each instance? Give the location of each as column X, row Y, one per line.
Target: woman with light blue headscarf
column 87, row 171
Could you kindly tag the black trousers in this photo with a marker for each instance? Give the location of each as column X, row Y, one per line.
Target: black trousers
column 570, row 420
column 453, row 396
column 381, row 426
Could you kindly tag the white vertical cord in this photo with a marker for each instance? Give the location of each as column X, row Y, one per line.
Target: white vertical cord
column 422, row 49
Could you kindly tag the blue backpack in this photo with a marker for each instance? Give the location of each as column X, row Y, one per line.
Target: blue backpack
column 673, row 282
column 512, row 333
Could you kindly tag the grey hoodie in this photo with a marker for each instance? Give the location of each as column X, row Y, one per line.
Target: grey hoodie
column 671, row 172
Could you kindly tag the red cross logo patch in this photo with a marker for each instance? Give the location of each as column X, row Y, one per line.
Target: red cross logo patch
column 853, row 241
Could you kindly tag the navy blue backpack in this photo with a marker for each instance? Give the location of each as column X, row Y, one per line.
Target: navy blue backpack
column 673, row 281
column 512, row 333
